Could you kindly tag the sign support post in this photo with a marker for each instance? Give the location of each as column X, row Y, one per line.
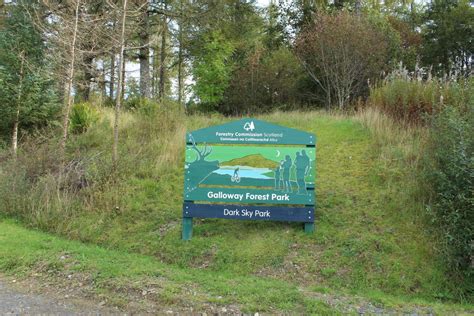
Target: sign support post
column 187, row 228
column 308, row 228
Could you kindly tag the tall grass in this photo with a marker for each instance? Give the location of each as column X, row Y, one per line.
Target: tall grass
column 410, row 99
column 370, row 234
column 38, row 188
column 392, row 139
column 441, row 113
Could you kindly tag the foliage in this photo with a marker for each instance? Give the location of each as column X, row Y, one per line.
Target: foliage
column 132, row 89
column 450, row 174
column 408, row 98
column 342, row 53
column 410, row 42
column 391, row 37
column 21, row 43
column 448, row 32
column 83, row 115
column 212, row 69
column 268, row 80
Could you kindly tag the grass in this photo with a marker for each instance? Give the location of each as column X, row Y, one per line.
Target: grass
column 372, row 234
column 120, row 278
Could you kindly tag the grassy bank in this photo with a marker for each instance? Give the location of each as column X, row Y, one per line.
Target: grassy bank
column 371, row 227
column 141, row 283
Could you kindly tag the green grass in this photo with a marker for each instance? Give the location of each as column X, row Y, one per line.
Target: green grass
column 23, row 251
column 113, row 274
column 371, row 231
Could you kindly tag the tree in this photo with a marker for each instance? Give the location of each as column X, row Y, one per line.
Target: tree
column 70, row 76
column 270, row 79
column 27, row 97
column 342, row 53
column 163, row 55
column 118, row 100
column 212, row 70
column 410, row 42
column 221, row 41
column 448, row 36
column 144, row 50
column 65, row 26
column 274, row 30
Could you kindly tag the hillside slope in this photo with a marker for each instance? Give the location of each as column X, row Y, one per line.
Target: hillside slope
column 73, row 271
column 371, row 232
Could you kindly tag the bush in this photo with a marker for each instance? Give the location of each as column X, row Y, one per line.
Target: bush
column 411, row 99
column 83, row 115
column 450, row 174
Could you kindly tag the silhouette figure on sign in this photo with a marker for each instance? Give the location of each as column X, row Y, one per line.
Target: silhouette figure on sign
column 306, row 162
column 236, row 176
column 300, row 172
column 277, row 176
column 286, row 174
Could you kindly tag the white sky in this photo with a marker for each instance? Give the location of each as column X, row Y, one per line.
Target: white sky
column 263, row 3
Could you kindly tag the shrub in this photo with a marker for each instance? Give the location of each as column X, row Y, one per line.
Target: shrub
column 83, row 115
column 450, row 174
column 132, row 103
column 410, row 99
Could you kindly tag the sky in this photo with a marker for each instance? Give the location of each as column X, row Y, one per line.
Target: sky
column 263, row 3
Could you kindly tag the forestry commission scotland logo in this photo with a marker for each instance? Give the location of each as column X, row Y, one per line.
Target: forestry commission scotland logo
column 249, row 126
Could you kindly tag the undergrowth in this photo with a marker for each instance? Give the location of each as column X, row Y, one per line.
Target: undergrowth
column 408, row 99
column 371, row 227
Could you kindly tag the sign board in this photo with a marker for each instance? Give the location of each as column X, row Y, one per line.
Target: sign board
column 249, row 170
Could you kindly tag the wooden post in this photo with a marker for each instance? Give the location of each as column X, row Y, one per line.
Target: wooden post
column 187, row 232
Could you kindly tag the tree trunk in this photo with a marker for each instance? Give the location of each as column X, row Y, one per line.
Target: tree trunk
column 102, row 84
column 180, row 64
column 180, row 54
column 153, row 74
column 357, row 7
column 161, row 89
column 124, row 62
column 144, row 55
column 118, row 102
column 68, row 96
column 112, row 75
column 88, row 75
column 16, row 123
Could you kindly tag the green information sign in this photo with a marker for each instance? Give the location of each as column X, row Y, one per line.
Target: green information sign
column 249, row 169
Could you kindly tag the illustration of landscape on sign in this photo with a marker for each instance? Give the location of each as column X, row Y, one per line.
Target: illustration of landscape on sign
column 284, row 169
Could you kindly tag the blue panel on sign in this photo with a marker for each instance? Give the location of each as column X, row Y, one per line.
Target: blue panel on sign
column 249, row 212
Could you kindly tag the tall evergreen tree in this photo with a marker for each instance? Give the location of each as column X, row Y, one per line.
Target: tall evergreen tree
column 27, row 97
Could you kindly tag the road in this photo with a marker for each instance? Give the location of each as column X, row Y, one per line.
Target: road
column 14, row 301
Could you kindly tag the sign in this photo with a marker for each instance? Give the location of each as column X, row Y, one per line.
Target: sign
column 249, row 170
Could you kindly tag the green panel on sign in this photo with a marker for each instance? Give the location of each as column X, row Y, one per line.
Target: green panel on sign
column 275, row 168
column 253, row 196
column 251, row 131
